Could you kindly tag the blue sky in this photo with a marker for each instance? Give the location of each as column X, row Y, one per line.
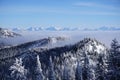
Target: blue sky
column 60, row 13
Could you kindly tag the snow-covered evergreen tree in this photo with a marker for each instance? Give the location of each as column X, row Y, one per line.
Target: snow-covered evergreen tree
column 100, row 71
column 78, row 73
column 114, row 61
column 18, row 72
column 86, row 68
column 69, row 64
column 66, row 73
column 114, row 47
column 51, row 70
column 39, row 74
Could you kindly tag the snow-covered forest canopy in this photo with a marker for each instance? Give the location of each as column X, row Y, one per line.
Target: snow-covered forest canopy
column 87, row 59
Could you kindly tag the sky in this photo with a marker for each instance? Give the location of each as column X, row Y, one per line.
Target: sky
column 59, row 13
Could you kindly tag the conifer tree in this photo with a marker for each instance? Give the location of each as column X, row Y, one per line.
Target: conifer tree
column 66, row 71
column 51, row 70
column 114, row 61
column 86, row 68
column 100, row 71
column 39, row 74
column 78, row 73
column 18, row 72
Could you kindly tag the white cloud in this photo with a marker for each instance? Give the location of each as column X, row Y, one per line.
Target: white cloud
column 97, row 5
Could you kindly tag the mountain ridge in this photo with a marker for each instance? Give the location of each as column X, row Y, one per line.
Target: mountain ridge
column 60, row 57
column 87, row 43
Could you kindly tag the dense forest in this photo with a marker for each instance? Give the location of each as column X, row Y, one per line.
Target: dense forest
column 86, row 60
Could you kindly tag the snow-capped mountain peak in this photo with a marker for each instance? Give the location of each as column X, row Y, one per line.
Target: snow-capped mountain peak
column 35, row 28
column 94, row 45
column 6, row 33
column 53, row 28
column 93, row 49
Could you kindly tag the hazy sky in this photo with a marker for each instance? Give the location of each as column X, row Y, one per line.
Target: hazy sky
column 61, row 13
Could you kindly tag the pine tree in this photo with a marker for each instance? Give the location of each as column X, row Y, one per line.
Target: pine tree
column 18, row 70
column 78, row 73
column 51, row 70
column 86, row 68
column 39, row 74
column 100, row 71
column 66, row 71
column 114, row 47
column 114, row 61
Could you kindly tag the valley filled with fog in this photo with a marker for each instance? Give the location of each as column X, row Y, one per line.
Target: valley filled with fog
column 71, row 36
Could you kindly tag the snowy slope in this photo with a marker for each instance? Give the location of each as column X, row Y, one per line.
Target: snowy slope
column 68, row 56
column 86, row 52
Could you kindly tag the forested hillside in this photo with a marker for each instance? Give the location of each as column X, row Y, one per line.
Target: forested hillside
column 88, row 59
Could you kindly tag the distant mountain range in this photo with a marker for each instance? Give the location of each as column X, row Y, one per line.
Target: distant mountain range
column 52, row 28
column 44, row 29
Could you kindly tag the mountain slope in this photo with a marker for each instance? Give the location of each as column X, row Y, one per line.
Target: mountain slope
column 87, row 49
column 68, row 56
column 14, row 50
